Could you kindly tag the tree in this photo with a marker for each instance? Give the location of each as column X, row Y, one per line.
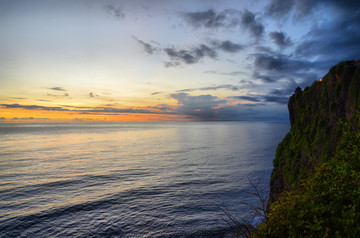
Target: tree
column 298, row 90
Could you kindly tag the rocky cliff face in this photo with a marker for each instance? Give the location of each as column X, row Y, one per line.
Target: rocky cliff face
column 317, row 116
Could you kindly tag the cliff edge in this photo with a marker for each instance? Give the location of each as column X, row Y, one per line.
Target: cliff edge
column 315, row 183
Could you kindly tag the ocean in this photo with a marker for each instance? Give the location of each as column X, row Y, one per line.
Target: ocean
column 131, row 179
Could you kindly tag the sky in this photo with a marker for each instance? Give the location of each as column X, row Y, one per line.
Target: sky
column 164, row 60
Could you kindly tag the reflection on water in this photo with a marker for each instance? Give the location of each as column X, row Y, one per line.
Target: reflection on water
column 129, row 179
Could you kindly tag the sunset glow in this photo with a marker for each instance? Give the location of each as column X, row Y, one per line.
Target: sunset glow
column 163, row 60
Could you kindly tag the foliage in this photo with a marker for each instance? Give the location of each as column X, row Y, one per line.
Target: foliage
column 327, row 203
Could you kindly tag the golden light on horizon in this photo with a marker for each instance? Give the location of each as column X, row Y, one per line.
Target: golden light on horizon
column 34, row 116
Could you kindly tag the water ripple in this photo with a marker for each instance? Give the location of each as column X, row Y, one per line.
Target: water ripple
column 129, row 180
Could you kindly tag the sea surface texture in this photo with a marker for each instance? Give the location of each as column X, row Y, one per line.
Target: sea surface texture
column 131, row 179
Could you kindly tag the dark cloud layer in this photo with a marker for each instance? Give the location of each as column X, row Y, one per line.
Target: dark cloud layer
column 228, row 18
column 329, row 40
column 191, row 56
column 280, row 63
column 195, row 54
column 280, row 39
column 253, row 24
column 340, row 40
column 212, row 19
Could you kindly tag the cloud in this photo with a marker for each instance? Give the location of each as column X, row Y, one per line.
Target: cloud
column 233, row 73
column 286, row 89
column 279, row 8
column 276, row 99
column 248, row 98
column 34, row 107
column 280, row 63
column 211, row 19
column 92, row 110
column 228, row 46
column 169, row 64
column 182, row 55
column 148, row 48
column 201, row 107
column 280, row 39
column 274, row 67
column 279, row 99
column 191, row 56
column 57, row 95
column 253, row 24
column 43, row 100
column 195, row 54
column 210, row 72
column 18, row 98
column 339, row 40
column 334, row 36
column 284, row 8
column 247, row 84
column 307, row 7
column 224, row 86
column 208, row 107
column 302, row 8
column 79, row 119
column 330, row 39
column 252, row 112
column 24, row 118
column 155, row 93
column 58, row 89
column 266, row 78
column 110, row 111
column 228, row 18
column 114, row 11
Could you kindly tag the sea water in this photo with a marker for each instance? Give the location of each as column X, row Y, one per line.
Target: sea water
column 131, row 179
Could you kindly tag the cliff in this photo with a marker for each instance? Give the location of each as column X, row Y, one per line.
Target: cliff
column 315, row 183
column 317, row 116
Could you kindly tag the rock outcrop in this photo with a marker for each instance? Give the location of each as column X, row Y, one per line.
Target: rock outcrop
column 317, row 116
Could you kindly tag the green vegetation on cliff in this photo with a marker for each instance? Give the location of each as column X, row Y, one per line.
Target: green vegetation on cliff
column 315, row 185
